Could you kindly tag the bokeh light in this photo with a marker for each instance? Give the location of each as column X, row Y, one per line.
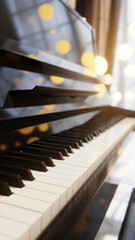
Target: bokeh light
column 108, row 79
column 101, row 65
column 117, row 96
column 131, row 30
column 63, row 46
column 45, row 11
column 124, row 52
column 129, row 71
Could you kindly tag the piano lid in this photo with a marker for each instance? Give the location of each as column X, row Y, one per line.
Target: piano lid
column 56, row 48
column 40, row 52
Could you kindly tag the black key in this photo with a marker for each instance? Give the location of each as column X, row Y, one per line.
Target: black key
column 23, row 172
column 47, row 160
column 58, row 149
column 4, row 189
column 12, row 179
column 69, row 137
column 86, row 137
column 55, row 140
column 40, row 151
column 23, row 162
column 87, row 131
column 76, row 141
column 50, row 143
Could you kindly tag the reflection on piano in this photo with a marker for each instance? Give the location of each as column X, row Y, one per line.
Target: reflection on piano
column 52, row 162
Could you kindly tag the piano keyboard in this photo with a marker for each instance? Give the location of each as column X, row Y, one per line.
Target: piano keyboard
column 26, row 213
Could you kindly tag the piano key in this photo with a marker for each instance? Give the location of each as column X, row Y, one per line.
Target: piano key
column 47, row 160
column 4, row 189
column 12, row 179
column 50, row 143
column 56, row 182
column 65, row 142
column 64, row 176
column 2, row 237
column 46, row 197
column 31, row 218
column 23, row 162
column 86, row 136
column 82, row 170
column 46, row 147
column 91, row 160
column 43, row 152
column 23, row 172
column 30, row 204
column 61, row 191
column 16, row 230
column 68, row 136
column 69, row 172
column 86, row 130
column 71, row 140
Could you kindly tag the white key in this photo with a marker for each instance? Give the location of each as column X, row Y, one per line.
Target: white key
column 65, row 171
column 64, row 177
column 16, row 230
column 61, row 191
column 56, row 182
column 33, row 219
column 30, row 204
column 2, row 237
column 51, row 198
column 82, row 171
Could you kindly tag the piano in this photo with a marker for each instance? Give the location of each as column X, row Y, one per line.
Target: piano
column 59, row 133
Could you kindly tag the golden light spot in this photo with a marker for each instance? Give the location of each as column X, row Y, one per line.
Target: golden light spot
column 124, row 52
column 89, row 72
column 32, row 56
column 81, row 225
column 3, row 147
column 49, row 51
column 40, row 79
column 63, row 46
column 117, row 96
column 42, row 111
column 17, row 144
column 87, row 59
column 23, row 71
column 52, row 31
column 101, row 65
column 27, row 130
column 129, row 71
column 45, row 11
column 56, row 80
column 100, row 88
column 82, row 106
column 84, row 19
column 129, row 96
column 44, row 127
column 108, row 79
column 30, row 20
column 17, row 81
column 131, row 30
column 32, row 139
column 50, row 107
column 120, row 150
column 102, row 201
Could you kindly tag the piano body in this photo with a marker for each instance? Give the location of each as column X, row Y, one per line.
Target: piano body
column 59, row 134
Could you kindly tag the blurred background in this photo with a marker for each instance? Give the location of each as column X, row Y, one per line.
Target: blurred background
column 114, row 22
